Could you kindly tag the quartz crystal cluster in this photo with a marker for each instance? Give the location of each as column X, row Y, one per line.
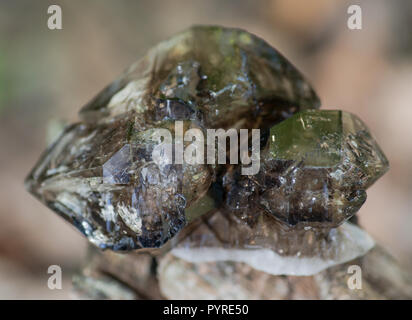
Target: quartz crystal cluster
column 289, row 218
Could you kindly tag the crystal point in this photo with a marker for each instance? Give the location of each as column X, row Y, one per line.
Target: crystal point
column 315, row 170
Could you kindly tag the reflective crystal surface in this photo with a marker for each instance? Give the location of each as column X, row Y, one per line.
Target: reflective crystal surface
column 220, row 76
column 315, row 169
column 99, row 174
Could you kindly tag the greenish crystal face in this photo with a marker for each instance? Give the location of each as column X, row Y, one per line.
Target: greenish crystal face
column 315, row 169
column 313, row 137
column 328, row 139
column 321, row 163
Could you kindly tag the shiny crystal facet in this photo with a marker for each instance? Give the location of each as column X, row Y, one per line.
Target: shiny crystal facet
column 219, row 76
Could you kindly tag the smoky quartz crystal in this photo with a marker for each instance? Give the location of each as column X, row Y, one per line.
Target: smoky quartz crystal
column 315, row 165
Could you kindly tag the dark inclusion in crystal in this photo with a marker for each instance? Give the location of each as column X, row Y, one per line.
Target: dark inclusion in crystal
column 315, row 165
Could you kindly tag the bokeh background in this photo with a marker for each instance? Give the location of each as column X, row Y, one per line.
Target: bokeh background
column 48, row 75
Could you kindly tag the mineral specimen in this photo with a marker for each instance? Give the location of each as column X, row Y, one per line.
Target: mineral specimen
column 99, row 174
column 289, row 218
